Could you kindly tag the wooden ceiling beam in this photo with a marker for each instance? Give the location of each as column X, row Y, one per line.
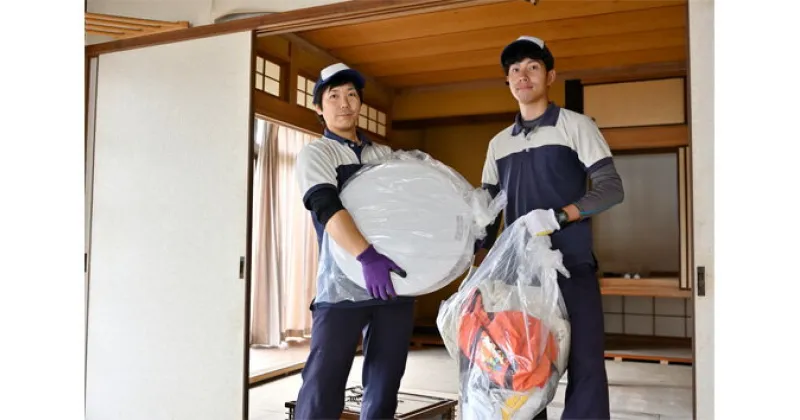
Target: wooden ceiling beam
column 121, row 27
column 363, row 11
column 311, row 18
column 673, row 17
column 470, row 19
column 102, row 32
column 106, row 30
column 565, row 51
column 564, row 67
column 629, row 73
column 587, row 77
column 136, row 22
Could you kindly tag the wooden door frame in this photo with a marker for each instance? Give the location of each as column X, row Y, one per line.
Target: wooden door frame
column 338, row 14
column 700, row 23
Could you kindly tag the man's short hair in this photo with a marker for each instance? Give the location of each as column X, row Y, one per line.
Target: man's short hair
column 337, row 80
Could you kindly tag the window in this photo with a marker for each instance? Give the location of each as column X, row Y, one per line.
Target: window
column 259, row 135
column 305, row 92
column 268, row 76
column 372, row 120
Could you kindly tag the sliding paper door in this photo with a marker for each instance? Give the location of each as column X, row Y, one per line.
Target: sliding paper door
column 167, row 288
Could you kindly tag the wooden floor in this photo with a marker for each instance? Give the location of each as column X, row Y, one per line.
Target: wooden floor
column 618, row 348
column 638, row 391
column 269, row 363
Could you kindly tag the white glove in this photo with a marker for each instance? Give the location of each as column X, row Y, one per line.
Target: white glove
column 541, row 222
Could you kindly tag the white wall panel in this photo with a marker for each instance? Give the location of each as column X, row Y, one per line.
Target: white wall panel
column 701, row 53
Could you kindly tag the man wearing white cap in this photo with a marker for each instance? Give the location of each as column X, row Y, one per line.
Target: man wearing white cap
column 386, row 321
column 543, row 162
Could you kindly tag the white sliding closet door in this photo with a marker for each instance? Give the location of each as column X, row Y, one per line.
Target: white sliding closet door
column 166, row 327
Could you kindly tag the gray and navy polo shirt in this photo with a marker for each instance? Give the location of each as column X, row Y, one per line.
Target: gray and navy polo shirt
column 327, row 163
column 546, row 166
column 322, row 169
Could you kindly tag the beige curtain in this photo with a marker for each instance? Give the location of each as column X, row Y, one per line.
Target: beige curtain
column 284, row 242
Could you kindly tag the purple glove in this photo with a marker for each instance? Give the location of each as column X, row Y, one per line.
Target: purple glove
column 376, row 268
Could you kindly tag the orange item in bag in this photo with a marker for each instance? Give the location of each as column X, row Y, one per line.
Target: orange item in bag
column 509, row 346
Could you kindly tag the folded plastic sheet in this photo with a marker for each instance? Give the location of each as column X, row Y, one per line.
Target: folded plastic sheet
column 417, row 211
column 508, row 328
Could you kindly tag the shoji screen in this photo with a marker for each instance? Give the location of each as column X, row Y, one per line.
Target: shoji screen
column 169, row 225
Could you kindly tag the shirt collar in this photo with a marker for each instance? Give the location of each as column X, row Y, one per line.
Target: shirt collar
column 365, row 141
column 548, row 119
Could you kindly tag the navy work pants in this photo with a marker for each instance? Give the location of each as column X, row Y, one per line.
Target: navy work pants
column 387, row 333
column 587, row 381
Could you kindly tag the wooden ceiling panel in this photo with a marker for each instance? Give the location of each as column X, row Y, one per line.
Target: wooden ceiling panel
column 587, row 64
column 565, row 51
column 471, row 19
column 673, row 17
column 121, row 27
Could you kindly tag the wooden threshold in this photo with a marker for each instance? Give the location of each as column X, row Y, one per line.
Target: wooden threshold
column 654, row 349
column 651, row 287
column 336, row 14
column 418, row 341
column 289, row 369
column 659, row 356
column 272, row 374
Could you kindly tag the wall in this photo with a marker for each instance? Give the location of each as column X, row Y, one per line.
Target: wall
column 636, row 104
column 420, row 104
column 408, row 139
column 197, row 12
column 640, row 235
column 462, row 147
column 480, row 98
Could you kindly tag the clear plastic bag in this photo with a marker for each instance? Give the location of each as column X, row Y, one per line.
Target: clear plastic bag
column 508, row 328
column 417, row 211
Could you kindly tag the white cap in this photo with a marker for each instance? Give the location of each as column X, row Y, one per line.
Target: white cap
column 535, row 40
column 335, row 69
column 538, row 50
